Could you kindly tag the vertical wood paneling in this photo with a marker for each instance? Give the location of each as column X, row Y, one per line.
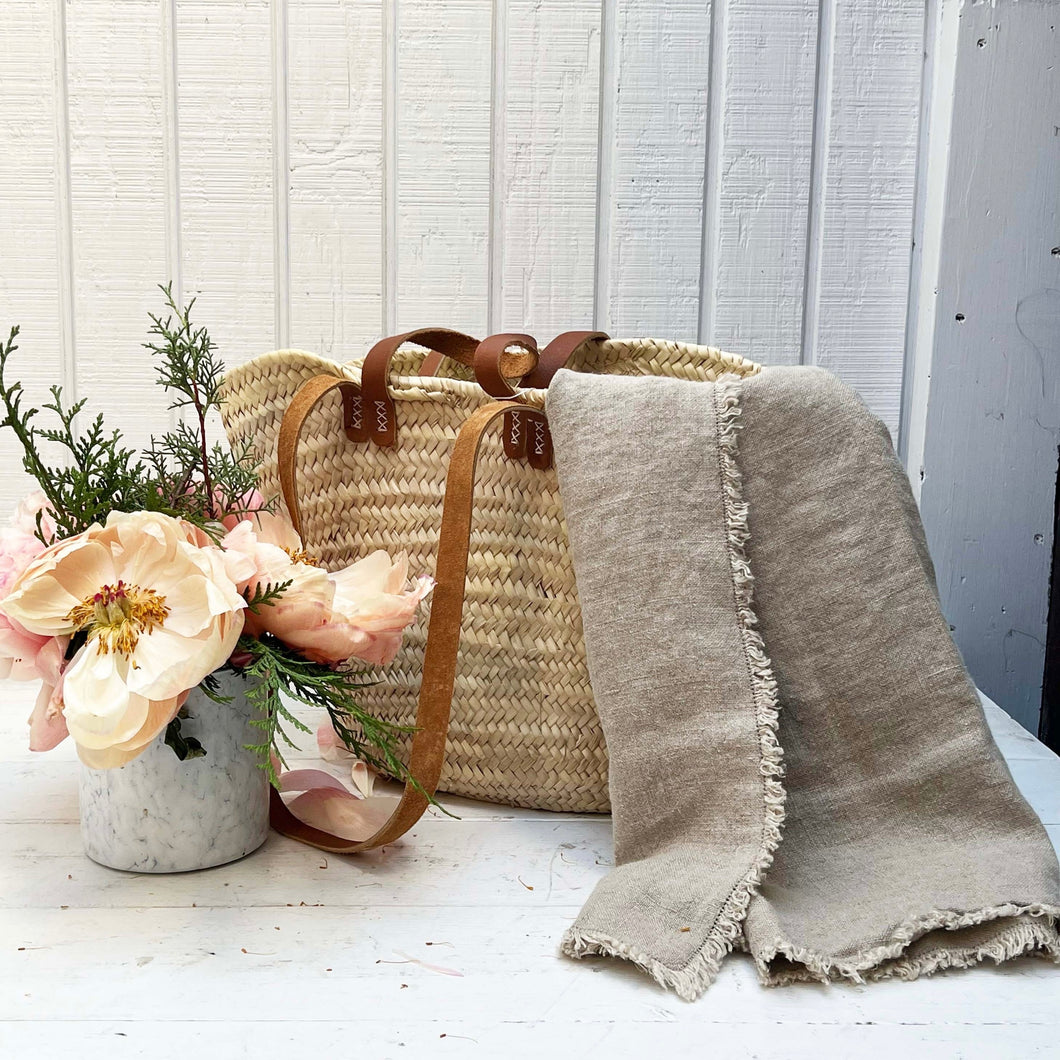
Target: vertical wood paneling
column 443, row 163
column 547, row 255
column 336, row 128
column 332, row 169
column 226, row 188
column 655, row 201
column 30, row 217
column 867, row 192
column 764, row 179
column 118, row 188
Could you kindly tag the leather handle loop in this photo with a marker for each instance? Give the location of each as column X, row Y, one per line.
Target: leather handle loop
column 379, row 420
column 443, row 632
column 557, row 354
column 495, row 367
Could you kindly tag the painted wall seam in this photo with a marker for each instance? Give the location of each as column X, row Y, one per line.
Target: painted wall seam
column 498, row 141
column 712, row 173
column 933, row 143
column 171, row 159
column 815, row 218
column 281, row 174
column 605, row 166
column 389, row 187
column 64, row 211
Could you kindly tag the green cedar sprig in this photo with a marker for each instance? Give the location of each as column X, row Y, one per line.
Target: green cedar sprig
column 181, row 474
column 275, row 671
column 100, row 474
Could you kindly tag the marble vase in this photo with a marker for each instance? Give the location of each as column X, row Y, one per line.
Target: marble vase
column 159, row 814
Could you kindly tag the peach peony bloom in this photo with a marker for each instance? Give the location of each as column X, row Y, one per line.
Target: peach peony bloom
column 357, row 612
column 276, row 556
column 158, row 714
column 159, row 614
column 374, row 602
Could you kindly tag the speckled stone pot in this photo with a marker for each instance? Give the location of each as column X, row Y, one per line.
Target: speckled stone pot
column 159, row 814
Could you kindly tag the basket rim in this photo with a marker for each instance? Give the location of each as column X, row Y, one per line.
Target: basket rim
column 428, row 387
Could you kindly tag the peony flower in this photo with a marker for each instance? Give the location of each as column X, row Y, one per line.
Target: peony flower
column 357, row 612
column 275, row 554
column 159, row 614
column 373, row 604
column 240, row 508
column 26, row 656
column 47, row 723
column 157, row 715
column 25, row 517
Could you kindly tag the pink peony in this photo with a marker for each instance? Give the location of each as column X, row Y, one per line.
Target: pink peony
column 26, row 656
column 250, row 504
column 373, row 604
column 25, row 517
column 47, row 723
column 357, row 612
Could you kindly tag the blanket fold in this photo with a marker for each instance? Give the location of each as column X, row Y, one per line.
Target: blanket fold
column 768, row 655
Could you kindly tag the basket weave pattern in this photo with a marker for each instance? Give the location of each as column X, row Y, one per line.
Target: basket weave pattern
column 523, row 729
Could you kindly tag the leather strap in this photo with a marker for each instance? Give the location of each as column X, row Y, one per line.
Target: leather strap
column 431, row 363
column 305, row 400
column 494, row 371
column 490, row 371
column 443, row 632
column 380, row 422
column 526, row 432
column 556, row 355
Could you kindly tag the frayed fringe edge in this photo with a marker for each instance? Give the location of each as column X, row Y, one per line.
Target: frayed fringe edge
column 890, row 961
column 691, row 981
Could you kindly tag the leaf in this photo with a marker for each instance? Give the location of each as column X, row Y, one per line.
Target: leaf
column 184, row 747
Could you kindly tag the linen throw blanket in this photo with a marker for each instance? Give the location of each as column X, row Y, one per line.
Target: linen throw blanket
column 799, row 764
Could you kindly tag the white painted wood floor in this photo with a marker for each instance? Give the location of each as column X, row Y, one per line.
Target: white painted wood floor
column 442, row 945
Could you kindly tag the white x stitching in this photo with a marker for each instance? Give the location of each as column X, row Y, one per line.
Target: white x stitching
column 539, row 437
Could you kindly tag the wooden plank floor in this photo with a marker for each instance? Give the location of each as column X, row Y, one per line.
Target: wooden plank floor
column 442, row 945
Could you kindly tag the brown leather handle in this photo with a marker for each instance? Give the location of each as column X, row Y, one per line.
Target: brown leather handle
column 556, row 355
column 526, row 432
column 494, row 370
column 491, row 372
column 443, row 632
column 380, row 422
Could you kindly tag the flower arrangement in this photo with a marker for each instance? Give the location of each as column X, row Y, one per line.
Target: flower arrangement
column 130, row 579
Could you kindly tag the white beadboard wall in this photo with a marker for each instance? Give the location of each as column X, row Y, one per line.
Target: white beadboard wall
column 322, row 172
column 774, row 177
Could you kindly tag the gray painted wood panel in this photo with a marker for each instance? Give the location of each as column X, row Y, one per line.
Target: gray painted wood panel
column 993, row 419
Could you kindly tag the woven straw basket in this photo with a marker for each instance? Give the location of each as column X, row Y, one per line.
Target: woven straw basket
column 523, row 728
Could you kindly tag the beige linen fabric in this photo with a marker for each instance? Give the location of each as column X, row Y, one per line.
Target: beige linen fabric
column 906, row 847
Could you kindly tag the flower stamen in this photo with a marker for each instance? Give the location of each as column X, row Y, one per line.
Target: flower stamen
column 299, row 555
column 118, row 615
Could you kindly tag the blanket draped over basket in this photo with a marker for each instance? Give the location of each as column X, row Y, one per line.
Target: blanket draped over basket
column 799, row 762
